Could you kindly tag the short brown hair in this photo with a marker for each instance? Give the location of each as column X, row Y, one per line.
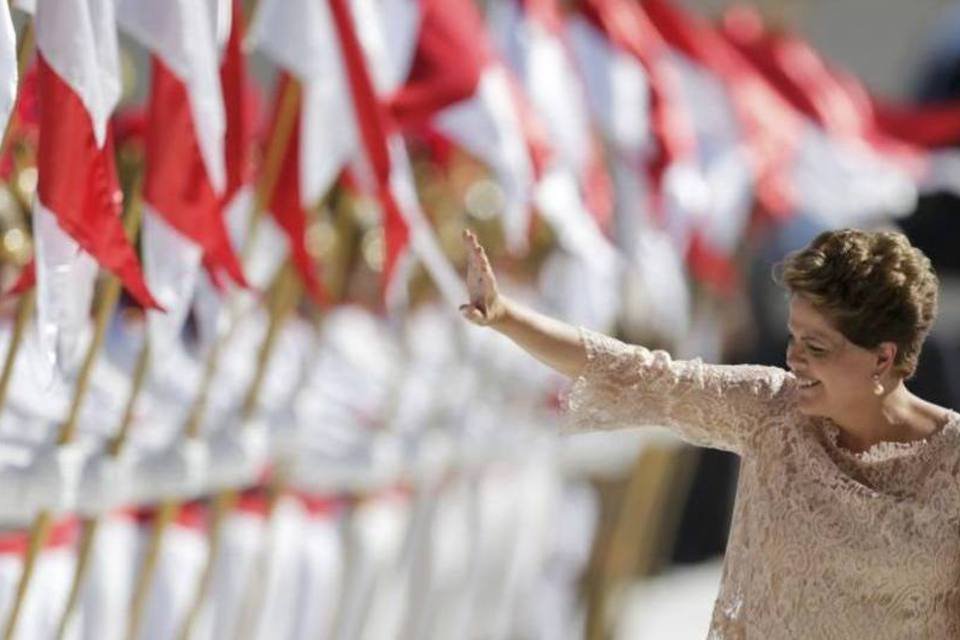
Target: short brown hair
column 875, row 287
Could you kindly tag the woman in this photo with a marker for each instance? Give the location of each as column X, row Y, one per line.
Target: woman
column 847, row 520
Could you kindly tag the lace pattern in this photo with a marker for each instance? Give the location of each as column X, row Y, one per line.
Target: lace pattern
column 824, row 543
column 717, row 406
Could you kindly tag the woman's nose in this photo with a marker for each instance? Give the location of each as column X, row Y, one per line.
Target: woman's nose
column 794, row 358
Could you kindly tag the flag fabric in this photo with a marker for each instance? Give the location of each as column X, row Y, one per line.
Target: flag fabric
column 8, row 67
column 185, row 175
column 458, row 86
column 384, row 152
column 847, row 112
column 665, row 150
column 241, row 101
column 695, row 188
column 847, row 170
column 298, row 36
column 770, row 127
column 533, row 38
column 240, row 115
column 77, row 213
column 287, row 204
column 320, row 47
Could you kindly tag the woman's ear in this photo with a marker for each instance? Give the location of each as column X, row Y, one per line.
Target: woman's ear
column 886, row 353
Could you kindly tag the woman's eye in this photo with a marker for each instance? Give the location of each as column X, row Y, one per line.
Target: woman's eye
column 817, row 351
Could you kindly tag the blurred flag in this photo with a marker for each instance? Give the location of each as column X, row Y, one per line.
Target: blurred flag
column 287, row 204
column 298, row 36
column 607, row 31
column 770, row 128
column 459, row 87
column 532, row 35
column 239, row 107
column 8, row 66
column 717, row 226
column 317, row 43
column 847, row 170
column 77, row 213
column 617, row 87
column 262, row 258
column 185, row 173
column 405, row 225
column 692, row 162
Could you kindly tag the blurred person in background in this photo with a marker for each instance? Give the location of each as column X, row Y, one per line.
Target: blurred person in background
column 848, row 495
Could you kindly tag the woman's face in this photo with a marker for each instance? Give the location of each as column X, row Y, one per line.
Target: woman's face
column 834, row 375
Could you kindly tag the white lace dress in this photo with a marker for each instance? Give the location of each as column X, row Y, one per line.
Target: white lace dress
column 825, row 543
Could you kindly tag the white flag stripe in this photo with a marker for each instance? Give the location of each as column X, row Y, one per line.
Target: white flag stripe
column 543, row 64
column 422, row 238
column 488, row 126
column 181, row 34
column 78, row 39
column 325, row 149
column 618, row 92
column 296, row 34
column 171, row 263
column 65, row 279
column 388, row 31
column 8, row 66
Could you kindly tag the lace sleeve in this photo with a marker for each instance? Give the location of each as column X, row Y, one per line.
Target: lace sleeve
column 717, row 406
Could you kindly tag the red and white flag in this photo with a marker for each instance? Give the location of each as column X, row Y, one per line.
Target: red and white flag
column 458, row 86
column 847, row 170
column 262, row 258
column 770, row 127
column 77, row 214
column 533, row 38
column 633, row 70
column 8, row 98
column 287, row 204
column 618, row 90
column 185, row 174
column 8, row 67
column 298, row 36
column 317, row 42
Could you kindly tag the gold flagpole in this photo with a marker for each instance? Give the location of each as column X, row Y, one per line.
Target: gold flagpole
column 276, row 150
column 104, row 309
column 285, row 295
column 27, row 300
column 115, row 447
column 25, row 308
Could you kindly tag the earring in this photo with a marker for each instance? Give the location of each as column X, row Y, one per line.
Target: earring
column 877, row 386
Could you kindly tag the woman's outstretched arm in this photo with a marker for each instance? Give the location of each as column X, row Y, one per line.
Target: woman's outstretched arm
column 555, row 343
column 622, row 385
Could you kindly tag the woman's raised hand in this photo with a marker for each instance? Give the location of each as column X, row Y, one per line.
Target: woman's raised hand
column 486, row 306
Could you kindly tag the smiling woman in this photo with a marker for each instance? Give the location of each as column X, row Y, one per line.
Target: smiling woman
column 861, row 306
column 848, row 499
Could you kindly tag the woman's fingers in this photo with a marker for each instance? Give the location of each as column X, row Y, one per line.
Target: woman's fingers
column 478, row 259
column 481, row 283
column 473, row 314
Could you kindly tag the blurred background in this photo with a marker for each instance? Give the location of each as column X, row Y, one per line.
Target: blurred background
column 637, row 168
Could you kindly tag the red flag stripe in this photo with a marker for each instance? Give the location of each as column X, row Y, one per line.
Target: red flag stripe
column 78, row 182
column 238, row 142
column 24, row 282
column 771, row 125
column 287, row 207
column 176, row 184
column 449, row 60
column 374, row 125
